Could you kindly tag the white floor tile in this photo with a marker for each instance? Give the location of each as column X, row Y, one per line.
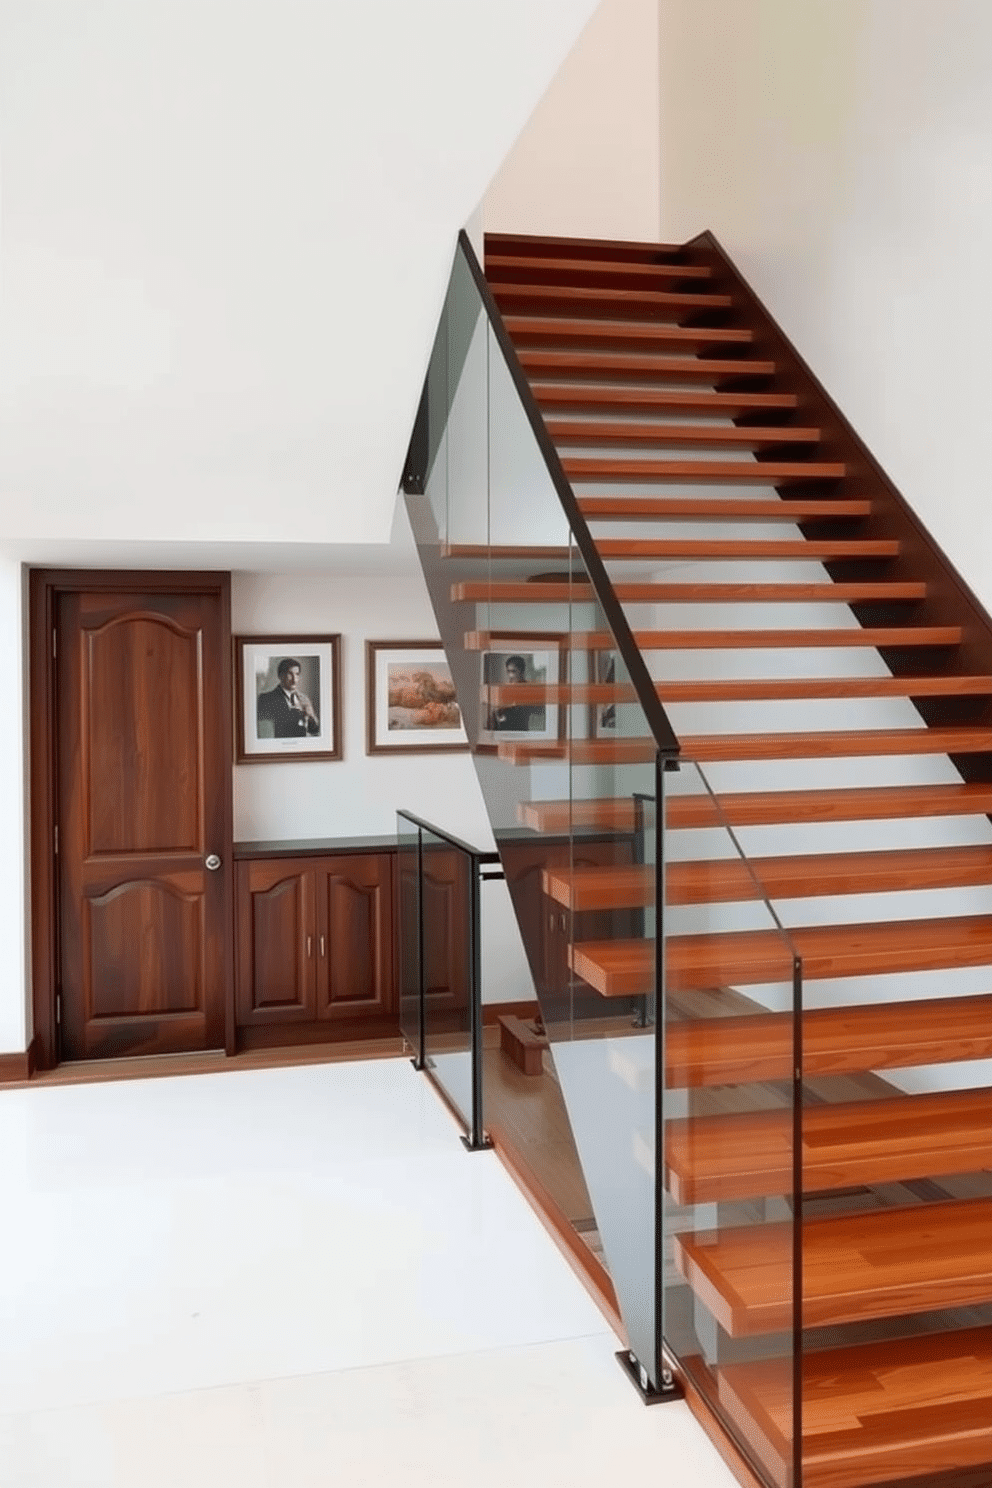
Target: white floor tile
column 279, row 1278
column 549, row 1414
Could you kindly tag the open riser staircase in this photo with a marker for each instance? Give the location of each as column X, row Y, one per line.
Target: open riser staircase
column 740, row 779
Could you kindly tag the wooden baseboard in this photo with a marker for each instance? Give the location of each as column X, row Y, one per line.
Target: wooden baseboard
column 589, row 1270
column 15, row 1068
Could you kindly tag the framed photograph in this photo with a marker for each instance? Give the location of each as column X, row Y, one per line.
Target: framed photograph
column 288, row 697
column 410, row 699
column 603, row 716
column 515, row 679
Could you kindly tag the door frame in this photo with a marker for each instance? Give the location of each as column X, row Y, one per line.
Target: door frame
column 45, row 587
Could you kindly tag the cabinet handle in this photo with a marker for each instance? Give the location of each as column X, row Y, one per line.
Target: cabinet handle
column 309, row 945
column 321, row 945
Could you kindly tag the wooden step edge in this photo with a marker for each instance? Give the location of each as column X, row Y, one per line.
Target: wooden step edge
column 552, row 395
column 558, row 328
column 519, row 296
column 479, row 591
column 747, row 436
column 744, row 690
column 873, row 1413
column 705, row 748
column 765, row 808
column 732, row 508
column 714, row 472
column 800, row 876
column 889, row 637
column 819, row 549
column 501, row 262
column 949, row 1268
column 625, row 968
column 536, row 244
column 641, row 364
column 788, row 688
column 836, row 1040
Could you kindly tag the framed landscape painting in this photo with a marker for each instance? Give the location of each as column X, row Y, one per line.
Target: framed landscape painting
column 411, row 707
column 288, row 698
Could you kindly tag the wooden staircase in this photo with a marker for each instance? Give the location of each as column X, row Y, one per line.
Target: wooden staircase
column 670, row 395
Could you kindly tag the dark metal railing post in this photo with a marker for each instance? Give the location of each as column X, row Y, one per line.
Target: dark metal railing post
column 476, row 1140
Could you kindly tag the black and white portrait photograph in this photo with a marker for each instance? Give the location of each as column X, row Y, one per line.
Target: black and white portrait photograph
column 518, row 686
column 289, row 691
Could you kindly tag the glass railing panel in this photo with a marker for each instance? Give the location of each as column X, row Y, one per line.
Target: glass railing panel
column 447, row 893
column 408, row 934
column 566, row 758
column 728, row 1038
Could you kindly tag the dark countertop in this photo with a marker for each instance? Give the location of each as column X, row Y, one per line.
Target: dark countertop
column 313, row 847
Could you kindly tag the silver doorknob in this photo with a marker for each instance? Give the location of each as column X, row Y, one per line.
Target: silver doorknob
column 212, row 861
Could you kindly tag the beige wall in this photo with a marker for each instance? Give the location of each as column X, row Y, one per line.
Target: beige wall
column 587, row 161
column 840, row 150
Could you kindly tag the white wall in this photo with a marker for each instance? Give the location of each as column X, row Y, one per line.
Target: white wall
column 587, row 162
column 13, row 847
column 841, row 154
column 225, row 233
column 360, row 793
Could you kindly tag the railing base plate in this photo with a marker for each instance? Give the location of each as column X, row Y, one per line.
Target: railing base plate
column 639, row 1379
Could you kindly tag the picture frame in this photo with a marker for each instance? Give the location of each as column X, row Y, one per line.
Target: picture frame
column 544, row 664
column 276, row 721
column 603, row 716
column 410, row 701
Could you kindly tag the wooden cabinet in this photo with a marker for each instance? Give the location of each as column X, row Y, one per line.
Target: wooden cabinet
column 447, row 891
column 315, row 943
column 548, row 929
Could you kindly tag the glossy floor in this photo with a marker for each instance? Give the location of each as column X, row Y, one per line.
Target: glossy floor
column 286, row 1278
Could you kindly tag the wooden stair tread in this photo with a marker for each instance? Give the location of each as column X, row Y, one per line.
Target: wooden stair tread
column 742, row 436
column 856, row 1267
column 872, row 1413
column 575, row 397
column 715, row 472
column 712, row 1159
column 632, row 364
column 684, row 547
column 837, row 1040
column 741, row 689
column 483, row 591
column 720, row 508
column 820, row 549
column 876, row 637
column 620, row 333
column 766, row 808
column 749, row 689
column 589, row 299
column 803, row 876
column 500, row 266
column 626, row 968
column 815, row 744
column 537, row 246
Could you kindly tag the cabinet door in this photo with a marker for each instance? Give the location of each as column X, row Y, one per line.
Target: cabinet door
column 355, row 933
column 277, row 942
column 547, row 928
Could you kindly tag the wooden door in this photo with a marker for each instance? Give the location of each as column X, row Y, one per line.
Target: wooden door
column 143, row 800
column 277, row 940
column 355, row 937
